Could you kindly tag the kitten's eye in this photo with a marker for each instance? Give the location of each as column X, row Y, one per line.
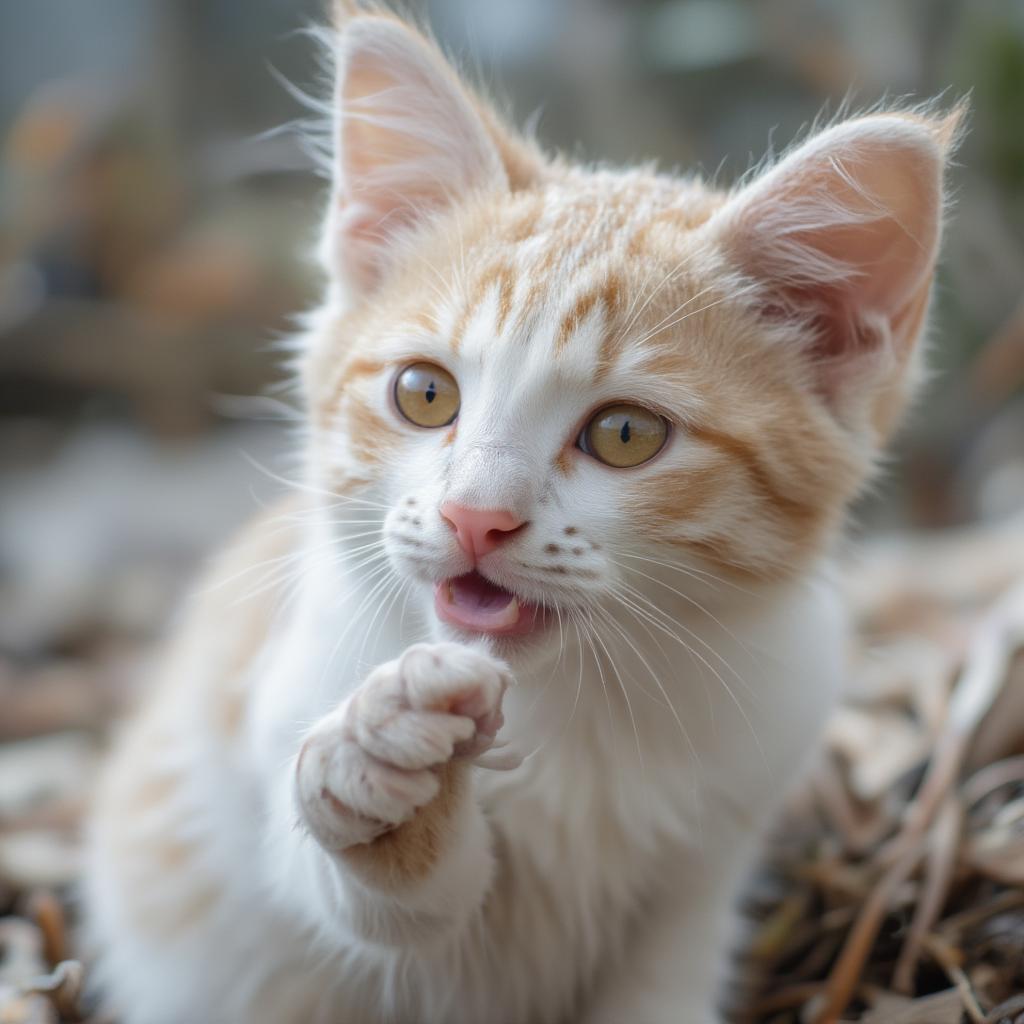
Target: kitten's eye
column 427, row 395
column 624, row 435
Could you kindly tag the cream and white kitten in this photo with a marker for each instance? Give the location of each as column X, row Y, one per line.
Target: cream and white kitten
column 483, row 725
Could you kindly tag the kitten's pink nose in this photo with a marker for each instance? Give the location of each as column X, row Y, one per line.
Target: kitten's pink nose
column 480, row 530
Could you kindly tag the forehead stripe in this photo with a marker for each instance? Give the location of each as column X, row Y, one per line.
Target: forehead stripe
column 498, row 274
column 608, row 294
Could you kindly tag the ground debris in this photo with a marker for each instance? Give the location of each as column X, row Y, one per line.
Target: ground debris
column 893, row 889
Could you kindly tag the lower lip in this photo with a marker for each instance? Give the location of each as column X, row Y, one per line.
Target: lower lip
column 476, row 605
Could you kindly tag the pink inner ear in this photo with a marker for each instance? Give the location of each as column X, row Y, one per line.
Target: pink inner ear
column 892, row 250
column 845, row 231
column 410, row 142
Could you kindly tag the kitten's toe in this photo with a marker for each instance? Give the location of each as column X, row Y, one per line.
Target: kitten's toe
column 461, row 680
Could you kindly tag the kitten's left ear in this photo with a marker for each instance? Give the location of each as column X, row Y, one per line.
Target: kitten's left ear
column 410, row 140
column 842, row 235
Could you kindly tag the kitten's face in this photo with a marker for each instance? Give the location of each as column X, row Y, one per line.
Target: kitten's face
column 568, row 389
column 544, row 310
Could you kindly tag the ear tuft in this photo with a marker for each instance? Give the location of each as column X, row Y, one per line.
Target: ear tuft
column 343, row 11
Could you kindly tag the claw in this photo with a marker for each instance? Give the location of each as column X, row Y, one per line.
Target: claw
column 500, row 757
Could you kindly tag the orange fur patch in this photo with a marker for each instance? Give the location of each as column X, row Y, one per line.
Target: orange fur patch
column 671, row 497
column 141, row 804
column 527, row 222
column 498, row 274
column 747, row 456
column 145, row 828
column 370, row 438
column 407, row 854
column 564, row 462
column 607, row 295
column 607, row 355
column 352, row 370
column 502, row 276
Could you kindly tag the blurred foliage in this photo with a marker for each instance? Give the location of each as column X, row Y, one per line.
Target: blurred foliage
column 1000, row 101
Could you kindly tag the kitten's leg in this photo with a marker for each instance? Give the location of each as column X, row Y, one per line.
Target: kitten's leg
column 391, row 843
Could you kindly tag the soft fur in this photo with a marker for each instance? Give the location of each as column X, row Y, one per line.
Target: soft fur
column 334, row 808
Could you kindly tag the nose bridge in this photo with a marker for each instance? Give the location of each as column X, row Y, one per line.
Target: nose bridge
column 492, row 476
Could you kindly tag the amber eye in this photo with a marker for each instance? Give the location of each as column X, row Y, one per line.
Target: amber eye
column 624, row 435
column 427, row 395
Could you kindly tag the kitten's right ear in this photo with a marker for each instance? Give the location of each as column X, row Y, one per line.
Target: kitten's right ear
column 843, row 234
column 410, row 140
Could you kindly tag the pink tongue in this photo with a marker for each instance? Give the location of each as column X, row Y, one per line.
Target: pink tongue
column 473, row 603
column 475, row 593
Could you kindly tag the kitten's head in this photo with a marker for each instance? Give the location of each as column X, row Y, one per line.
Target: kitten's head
column 561, row 381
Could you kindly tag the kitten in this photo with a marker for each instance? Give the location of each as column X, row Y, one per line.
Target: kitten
column 484, row 724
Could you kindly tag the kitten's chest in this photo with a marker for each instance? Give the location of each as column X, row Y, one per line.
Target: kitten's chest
column 593, row 796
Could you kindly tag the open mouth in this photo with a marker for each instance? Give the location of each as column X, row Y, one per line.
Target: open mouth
column 472, row 602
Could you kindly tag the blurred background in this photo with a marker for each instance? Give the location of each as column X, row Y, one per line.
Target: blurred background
column 156, row 203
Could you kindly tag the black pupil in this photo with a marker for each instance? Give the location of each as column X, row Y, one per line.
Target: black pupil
column 431, row 393
column 624, row 433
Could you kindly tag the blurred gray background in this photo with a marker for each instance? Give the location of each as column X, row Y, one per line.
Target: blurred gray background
column 155, row 204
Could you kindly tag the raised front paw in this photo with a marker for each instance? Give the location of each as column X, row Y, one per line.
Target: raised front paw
column 371, row 764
